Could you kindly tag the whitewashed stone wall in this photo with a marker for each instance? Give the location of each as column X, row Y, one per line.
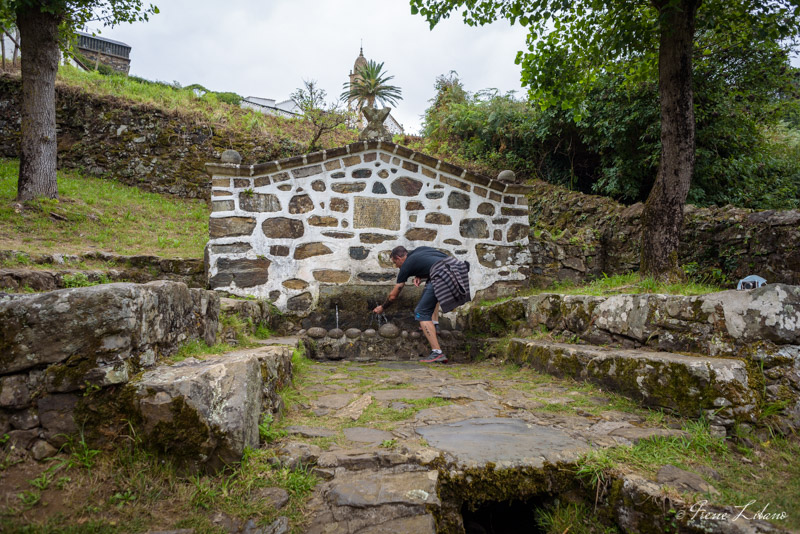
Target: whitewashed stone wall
column 283, row 230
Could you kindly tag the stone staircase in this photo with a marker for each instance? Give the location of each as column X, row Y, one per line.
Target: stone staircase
column 688, row 386
column 724, row 356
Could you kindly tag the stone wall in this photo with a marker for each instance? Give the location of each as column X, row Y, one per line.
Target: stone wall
column 51, row 269
column 58, row 349
column 760, row 327
column 290, row 229
column 118, row 63
column 579, row 237
column 142, row 145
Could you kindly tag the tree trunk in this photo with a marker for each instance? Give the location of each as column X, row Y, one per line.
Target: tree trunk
column 663, row 212
column 3, row 43
column 16, row 48
column 37, row 166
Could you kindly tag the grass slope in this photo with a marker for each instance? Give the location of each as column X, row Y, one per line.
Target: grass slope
column 207, row 108
column 100, row 214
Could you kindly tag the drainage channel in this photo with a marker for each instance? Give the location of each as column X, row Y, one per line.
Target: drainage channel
column 511, row 501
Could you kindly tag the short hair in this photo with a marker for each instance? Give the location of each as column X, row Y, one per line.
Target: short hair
column 398, row 252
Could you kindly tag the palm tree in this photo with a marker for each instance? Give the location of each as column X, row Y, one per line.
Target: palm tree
column 370, row 85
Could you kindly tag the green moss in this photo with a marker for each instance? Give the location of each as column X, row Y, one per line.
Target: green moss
column 186, row 438
column 474, row 487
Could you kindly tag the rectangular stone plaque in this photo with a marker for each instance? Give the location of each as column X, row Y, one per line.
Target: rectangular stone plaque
column 376, row 213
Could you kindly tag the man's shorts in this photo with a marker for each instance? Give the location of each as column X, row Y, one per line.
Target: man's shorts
column 426, row 305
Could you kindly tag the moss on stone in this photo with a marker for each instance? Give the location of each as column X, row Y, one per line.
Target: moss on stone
column 475, row 486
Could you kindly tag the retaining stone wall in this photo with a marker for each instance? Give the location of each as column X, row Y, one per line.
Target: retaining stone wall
column 388, row 343
column 57, row 348
column 137, row 144
column 117, row 268
column 287, row 229
column 581, row 237
column 760, row 326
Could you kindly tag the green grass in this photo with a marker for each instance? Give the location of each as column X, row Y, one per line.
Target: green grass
column 200, row 349
column 572, row 518
column 131, row 490
column 207, row 108
column 767, row 473
column 631, row 283
column 101, row 215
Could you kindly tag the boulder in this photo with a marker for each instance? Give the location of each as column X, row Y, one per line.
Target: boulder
column 204, row 413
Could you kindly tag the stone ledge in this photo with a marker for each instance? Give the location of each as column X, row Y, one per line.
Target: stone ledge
column 719, row 324
column 231, row 169
column 139, row 269
column 689, row 386
column 117, row 324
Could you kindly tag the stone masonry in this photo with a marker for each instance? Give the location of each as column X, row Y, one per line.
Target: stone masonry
column 285, row 229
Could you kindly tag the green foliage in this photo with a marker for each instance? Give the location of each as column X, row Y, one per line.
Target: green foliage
column 82, row 280
column 593, row 121
column 323, row 117
column 229, row 98
column 573, row 518
column 267, row 430
column 263, row 331
column 745, row 154
column 74, row 14
column 80, row 453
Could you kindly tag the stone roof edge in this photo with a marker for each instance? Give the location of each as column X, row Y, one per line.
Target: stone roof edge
column 232, row 169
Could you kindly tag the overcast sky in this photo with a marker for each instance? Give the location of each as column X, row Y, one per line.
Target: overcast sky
column 267, row 48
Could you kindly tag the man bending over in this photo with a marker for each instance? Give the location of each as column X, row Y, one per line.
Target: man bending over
column 447, row 282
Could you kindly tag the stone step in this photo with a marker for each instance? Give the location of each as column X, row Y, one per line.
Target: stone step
column 367, row 502
column 690, row 386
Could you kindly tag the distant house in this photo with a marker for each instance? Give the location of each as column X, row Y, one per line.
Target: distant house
column 268, row 106
column 93, row 51
column 102, row 51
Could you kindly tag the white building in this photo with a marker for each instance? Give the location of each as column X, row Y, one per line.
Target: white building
column 268, row 106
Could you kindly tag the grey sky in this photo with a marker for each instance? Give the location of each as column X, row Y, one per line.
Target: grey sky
column 266, row 49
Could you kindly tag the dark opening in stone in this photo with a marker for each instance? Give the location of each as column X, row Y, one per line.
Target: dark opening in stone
column 503, row 517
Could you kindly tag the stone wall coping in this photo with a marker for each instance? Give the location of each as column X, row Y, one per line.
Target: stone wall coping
column 232, row 169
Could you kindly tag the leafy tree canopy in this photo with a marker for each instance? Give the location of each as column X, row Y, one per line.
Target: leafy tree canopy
column 571, row 44
column 75, row 14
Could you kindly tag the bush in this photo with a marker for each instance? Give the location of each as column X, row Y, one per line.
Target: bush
column 745, row 155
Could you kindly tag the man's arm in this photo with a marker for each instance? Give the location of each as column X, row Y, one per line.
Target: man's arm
column 395, row 292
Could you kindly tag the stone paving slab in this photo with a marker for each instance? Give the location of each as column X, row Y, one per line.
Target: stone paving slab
column 505, row 442
column 432, row 418
column 523, row 422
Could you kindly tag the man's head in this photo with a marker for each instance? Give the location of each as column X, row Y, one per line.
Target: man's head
column 398, row 256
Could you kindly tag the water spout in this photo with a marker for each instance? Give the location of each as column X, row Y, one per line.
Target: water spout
column 337, row 316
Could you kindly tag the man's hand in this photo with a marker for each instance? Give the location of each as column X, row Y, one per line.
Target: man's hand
column 378, row 310
column 417, row 281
